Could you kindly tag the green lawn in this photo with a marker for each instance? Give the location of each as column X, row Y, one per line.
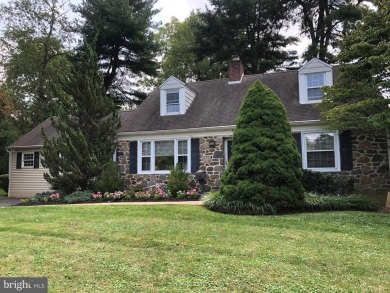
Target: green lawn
column 190, row 249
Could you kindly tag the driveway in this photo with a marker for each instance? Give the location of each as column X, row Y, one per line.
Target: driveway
column 8, row 201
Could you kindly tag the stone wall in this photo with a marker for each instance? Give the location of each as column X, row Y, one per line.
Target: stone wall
column 369, row 152
column 212, row 162
column 370, row 163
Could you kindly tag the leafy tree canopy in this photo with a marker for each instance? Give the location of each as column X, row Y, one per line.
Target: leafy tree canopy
column 178, row 41
column 35, row 32
column 360, row 98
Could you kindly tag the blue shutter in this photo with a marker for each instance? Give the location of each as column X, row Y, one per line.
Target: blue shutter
column 18, row 160
column 133, row 158
column 298, row 140
column 194, row 154
column 36, row 160
column 346, row 150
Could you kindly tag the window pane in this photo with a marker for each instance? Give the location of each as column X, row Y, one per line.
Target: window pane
column 164, row 151
column 320, row 141
column 182, row 160
column 28, row 160
column 173, row 108
column 145, row 164
column 316, row 80
column 146, row 149
column 182, row 147
column 173, row 102
column 314, row 94
column 323, row 159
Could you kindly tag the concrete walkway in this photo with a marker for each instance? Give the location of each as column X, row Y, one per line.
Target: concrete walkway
column 8, row 201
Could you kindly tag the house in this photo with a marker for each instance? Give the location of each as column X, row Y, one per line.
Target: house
column 193, row 124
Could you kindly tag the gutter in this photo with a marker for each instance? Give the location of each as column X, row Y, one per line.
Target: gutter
column 199, row 129
column 9, row 170
column 23, row 147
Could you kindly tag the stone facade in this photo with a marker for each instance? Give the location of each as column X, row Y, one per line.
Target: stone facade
column 370, row 163
column 369, row 152
column 212, row 161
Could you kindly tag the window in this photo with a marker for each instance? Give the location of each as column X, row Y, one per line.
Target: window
column 314, row 83
column 320, row 151
column 173, row 102
column 28, row 160
column 159, row 156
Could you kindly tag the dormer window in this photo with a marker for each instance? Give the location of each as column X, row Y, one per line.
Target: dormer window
column 173, row 102
column 315, row 81
column 312, row 77
column 175, row 97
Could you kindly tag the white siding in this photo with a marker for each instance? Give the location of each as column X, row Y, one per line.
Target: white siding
column 189, row 97
column 26, row 182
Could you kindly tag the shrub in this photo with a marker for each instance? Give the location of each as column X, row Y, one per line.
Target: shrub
column 78, row 196
column 109, row 181
column 323, row 183
column 177, row 180
column 4, row 182
column 265, row 167
column 218, row 203
column 117, row 195
column 312, row 203
column 315, row 202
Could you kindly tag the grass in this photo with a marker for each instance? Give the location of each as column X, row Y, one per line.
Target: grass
column 95, row 248
column 2, row 192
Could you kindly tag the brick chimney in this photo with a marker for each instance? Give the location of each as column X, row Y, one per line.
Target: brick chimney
column 236, row 70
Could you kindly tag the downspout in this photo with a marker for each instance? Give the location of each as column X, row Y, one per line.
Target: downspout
column 9, row 170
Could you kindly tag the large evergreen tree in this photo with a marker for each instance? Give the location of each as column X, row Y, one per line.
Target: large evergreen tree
column 360, row 97
column 265, row 167
column 124, row 42
column 86, row 128
column 251, row 29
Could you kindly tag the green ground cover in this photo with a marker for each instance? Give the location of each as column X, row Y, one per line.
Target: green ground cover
column 2, row 192
column 97, row 248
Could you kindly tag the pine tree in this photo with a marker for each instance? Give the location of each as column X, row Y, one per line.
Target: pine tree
column 86, row 128
column 265, row 167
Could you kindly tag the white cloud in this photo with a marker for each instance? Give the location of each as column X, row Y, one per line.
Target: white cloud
column 178, row 8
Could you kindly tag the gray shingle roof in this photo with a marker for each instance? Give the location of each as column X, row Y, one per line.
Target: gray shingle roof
column 33, row 138
column 217, row 103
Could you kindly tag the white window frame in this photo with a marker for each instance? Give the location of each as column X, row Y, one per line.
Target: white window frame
column 178, row 103
column 33, row 157
column 337, row 167
column 314, row 87
column 153, row 156
column 164, row 105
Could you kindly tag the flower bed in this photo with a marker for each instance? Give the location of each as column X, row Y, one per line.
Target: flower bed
column 136, row 194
